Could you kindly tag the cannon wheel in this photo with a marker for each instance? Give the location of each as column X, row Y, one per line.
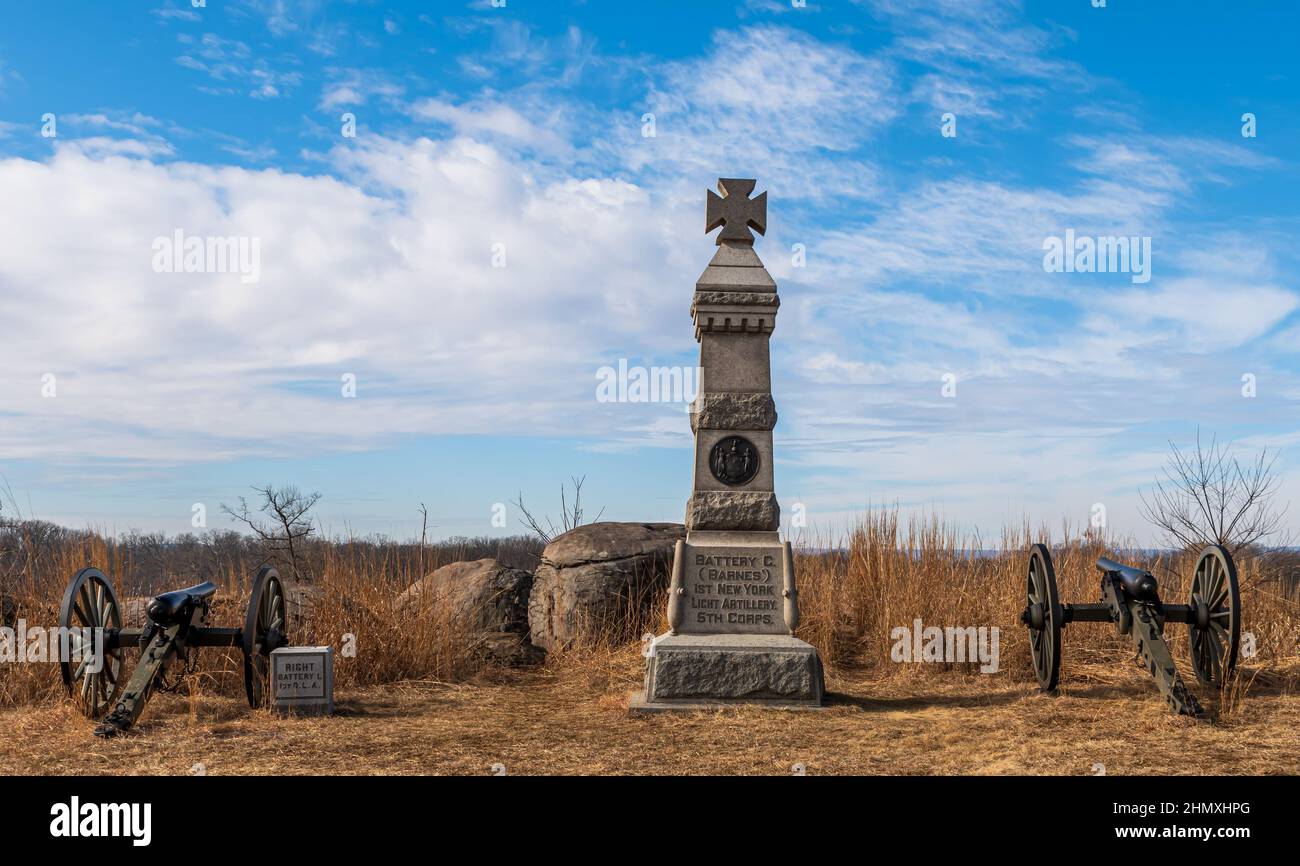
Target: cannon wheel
column 89, row 602
column 1214, row 632
column 263, row 632
column 1041, row 595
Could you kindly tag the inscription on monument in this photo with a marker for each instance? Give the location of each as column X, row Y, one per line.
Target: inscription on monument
column 302, row 679
column 733, row 590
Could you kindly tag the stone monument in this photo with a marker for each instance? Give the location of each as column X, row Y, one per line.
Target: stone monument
column 733, row 607
column 302, row 680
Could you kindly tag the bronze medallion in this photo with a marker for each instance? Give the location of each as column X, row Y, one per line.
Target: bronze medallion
column 734, row 461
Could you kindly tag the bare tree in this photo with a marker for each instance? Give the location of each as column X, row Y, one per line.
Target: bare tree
column 570, row 516
column 1208, row 496
column 281, row 520
column 424, row 534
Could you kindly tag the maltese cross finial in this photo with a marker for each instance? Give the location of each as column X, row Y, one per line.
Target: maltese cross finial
column 735, row 211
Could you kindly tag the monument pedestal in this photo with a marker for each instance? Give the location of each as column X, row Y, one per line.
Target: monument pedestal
column 732, row 606
column 710, row 671
column 732, row 611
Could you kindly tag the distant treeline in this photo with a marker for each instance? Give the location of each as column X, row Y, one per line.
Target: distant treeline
column 33, row 551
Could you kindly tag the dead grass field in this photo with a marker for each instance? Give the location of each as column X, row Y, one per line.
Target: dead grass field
column 413, row 700
column 572, row 719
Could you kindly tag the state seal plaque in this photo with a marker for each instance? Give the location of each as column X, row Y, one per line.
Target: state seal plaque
column 734, row 461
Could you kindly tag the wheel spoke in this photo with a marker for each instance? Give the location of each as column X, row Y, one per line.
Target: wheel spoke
column 1218, row 587
column 87, row 604
column 106, row 607
column 1217, row 595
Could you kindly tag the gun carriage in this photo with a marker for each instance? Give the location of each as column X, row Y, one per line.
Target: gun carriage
column 176, row 628
column 1130, row 599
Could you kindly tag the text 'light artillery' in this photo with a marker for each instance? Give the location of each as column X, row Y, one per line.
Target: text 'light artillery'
column 176, row 628
column 1130, row 599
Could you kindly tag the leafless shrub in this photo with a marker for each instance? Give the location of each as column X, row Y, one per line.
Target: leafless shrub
column 570, row 516
column 282, row 523
column 1208, row 496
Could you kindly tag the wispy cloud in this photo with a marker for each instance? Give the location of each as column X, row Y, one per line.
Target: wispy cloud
column 490, row 119
column 229, row 60
column 982, row 55
column 171, row 12
column 356, row 87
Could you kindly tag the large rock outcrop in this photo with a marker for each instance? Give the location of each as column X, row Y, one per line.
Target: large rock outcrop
column 599, row 577
column 485, row 601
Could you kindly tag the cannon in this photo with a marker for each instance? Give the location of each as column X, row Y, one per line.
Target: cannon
column 176, row 628
column 1130, row 600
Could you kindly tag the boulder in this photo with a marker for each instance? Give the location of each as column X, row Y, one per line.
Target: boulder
column 486, row 599
column 483, row 595
column 508, row 648
column 599, row 576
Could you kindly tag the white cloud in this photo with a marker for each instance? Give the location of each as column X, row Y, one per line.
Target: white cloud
column 982, row 54
column 399, row 290
column 353, row 88
column 750, row 109
column 1196, row 314
column 490, row 119
column 99, row 146
column 170, row 12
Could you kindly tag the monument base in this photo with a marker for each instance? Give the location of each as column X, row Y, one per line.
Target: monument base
column 712, row 671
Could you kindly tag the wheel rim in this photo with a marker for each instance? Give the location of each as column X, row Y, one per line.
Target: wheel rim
column 1040, row 594
column 89, row 603
column 265, row 619
column 1216, row 602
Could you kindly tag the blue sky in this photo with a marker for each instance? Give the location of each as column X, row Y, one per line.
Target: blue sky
column 524, row 126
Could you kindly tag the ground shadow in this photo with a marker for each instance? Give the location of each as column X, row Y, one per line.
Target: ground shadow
column 922, row 701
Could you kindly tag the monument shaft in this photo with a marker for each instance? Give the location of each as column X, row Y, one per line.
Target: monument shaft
column 733, row 606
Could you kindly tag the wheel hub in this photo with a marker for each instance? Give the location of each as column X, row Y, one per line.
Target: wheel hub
column 1202, row 613
column 275, row 639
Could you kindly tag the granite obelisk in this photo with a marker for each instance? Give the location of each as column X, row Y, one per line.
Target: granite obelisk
column 733, row 606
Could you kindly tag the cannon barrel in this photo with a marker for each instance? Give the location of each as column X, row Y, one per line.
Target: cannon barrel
column 1138, row 584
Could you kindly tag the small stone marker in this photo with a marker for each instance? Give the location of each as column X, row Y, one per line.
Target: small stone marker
column 302, row 679
column 732, row 607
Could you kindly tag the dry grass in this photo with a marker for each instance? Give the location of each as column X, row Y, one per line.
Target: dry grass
column 572, row 719
column 415, row 699
column 354, row 602
column 890, row 574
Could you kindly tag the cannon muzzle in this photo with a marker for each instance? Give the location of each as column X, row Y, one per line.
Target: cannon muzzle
column 1138, row 584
